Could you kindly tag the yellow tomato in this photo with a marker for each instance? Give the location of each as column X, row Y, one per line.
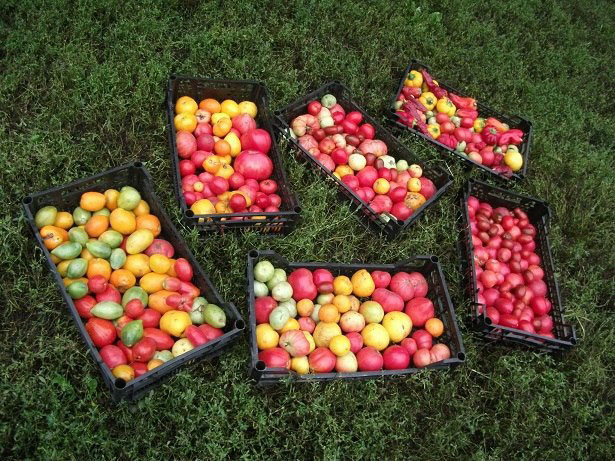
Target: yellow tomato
column 92, row 201
column 291, row 324
column 343, row 170
column 203, row 206
column 225, row 171
column 513, row 159
column 123, row 221
column 339, row 345
column 111, row 195
column 300, row 365
column 342, row 302
column 362, row 284
column 266, row 337
column 175, row 322
column 381, row 186
column 186, row 104
column 342, row 285
column 248, row 107
column 137, row 264
column 212, row 164
column 125, row 372
column 159, row 263
column 185, row 121
column 64, row 220
column 414, row 185
column 230, row 107
column 376, row 336
column 234, row 142
column 141, row 209
column 215, row 118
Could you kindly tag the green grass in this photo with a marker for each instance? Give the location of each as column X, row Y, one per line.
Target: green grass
column 82, row 88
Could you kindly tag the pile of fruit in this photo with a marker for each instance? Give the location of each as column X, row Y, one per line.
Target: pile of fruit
column 312, row 321
column 454, row 122
column 139, row 304
column 345, row 145
column 225, row 166
column 508, row 271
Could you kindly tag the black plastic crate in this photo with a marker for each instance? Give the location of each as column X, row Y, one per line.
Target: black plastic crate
column 438, row 293
column 514, row 121
column 539, row 214
column 280, row 222
column 388, row 224
column 67, row 198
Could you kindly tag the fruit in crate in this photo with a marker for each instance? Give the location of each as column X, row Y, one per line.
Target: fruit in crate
column 137, row 301
column 323, row 321
column 346, row 145
column 224, row 162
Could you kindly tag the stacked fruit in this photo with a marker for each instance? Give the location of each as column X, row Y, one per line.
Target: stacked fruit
column 454, row 122
column 141, row 307
column 312, row 321
column 345, row 145
column 508, row 271
column 225, row 167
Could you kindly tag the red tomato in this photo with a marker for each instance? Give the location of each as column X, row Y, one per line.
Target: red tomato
column 183, row 269
column 150, row 317
column 101, row 331
column 162, row 339
column 139, row 368
column 84, row 306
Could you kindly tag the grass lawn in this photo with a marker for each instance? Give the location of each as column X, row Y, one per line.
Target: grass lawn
column 82, row 88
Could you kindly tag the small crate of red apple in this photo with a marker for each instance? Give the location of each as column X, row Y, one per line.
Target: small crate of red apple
column 509, row 268
column 228, row 173
column 319, row 321
column 460, row 125
column 385, row 182
column 140, row 323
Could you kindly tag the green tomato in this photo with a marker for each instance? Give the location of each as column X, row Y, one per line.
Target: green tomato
column 79, row 235
column 325, row 298
column 315, row 313
column 46, row 216
column 214, row 316
column 77, row 290
column 263, row 271
column 165, row 355
column 117, row 258
column 112, row 238
column 99, row 249
column 135, row 293
column 291, row 306
column 132, row 332
column 68, row 250
column 81, row 216
column 260, row 289
column 278, row 317
column 282, row 292
column 402, row 165
column 181, row 346
column 328, row 101
column 103, row 212
column 129, row 198
column 109, row 310
column 77, row 268
column 279, row 275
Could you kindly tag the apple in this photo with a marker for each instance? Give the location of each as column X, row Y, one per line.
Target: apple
column 389, row 300
column 420, row 310
column 295, row 343
column 275, row 357
column 322, row 360
column 356, row 341
column 396, row 358
column 401, row 283
column 381, row 279
column 263, row 307
column 369, row 359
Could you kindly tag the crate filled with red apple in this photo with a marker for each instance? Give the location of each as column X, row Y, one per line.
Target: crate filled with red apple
column 390, row 186
column 313, row 320
column 461, row 125
column 510, row 268
column 229, row 173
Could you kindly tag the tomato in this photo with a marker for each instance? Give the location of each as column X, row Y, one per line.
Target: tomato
column 101, row 331
column 162, row 339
